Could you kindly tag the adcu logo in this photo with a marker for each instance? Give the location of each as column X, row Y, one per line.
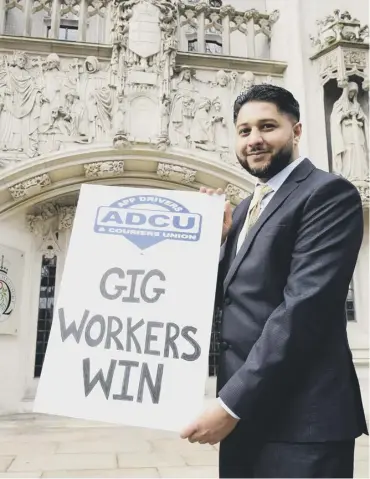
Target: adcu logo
column 148, row 220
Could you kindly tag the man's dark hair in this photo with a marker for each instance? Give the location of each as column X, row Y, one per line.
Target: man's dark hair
column 282, row 98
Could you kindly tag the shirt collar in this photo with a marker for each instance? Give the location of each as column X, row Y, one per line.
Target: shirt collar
column 276, row 181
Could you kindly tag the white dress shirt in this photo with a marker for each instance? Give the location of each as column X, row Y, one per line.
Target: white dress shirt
column 275, row 183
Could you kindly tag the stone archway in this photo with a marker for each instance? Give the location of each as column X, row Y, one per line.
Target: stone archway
column 59, row 174
column 42, row 195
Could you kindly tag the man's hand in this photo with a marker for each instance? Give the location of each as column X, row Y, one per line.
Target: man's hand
column 228, row 218
column 211, row 427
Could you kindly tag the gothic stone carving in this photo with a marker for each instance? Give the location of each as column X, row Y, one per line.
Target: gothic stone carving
column 142, row 66
column 349, row 131
column 52, row 217
column 48, row 222
column 165, row 112
column 144, row 39
column 339, row 27
column 363, row 188
column 66, row 217
column 51, row 103
column 100, row 169
column 47, row 104
column 175, row 173
column 341, row 63
column 235, row 194
column 29, row 187
column 201, row 129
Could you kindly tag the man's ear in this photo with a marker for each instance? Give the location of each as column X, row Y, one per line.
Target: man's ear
column 297, row 131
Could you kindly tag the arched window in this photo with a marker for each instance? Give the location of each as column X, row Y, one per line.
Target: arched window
column 214, row 47
column 46, row 309
column 214, row 349
column 350, row 304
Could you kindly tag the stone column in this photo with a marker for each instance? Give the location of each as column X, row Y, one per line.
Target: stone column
column 108, row 23
column 201, row 33
column 251, row 49
column 27, row 18
column 82, row 21
column 225, row 33
column 2, row 17
column 200, row 10
column 55, row 19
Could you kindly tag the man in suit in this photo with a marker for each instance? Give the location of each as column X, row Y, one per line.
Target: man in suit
column 289, row 402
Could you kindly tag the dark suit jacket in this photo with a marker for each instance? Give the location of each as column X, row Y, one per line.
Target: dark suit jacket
column 285, row 366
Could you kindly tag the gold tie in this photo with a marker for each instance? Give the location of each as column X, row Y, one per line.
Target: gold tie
column 255, row 206
column 254, row 211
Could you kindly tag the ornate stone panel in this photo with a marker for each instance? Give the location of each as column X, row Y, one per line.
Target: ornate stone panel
column 175, row 173
column 101, row 169
column 235, row 194
column 29, row 187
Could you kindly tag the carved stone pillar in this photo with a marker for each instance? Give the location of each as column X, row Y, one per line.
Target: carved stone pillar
column 27, row 18
column 225, row 13
column 55, row 19
column 251, row 48
column 2, row 16
column 108, row 23
column 82, row 21
column 201, row 10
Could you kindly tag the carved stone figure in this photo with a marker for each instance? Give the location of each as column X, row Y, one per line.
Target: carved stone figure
column 349, row 135
column 120, row 115
column 68, row 124
column 247, row 80
column 219, row 124
column 165, row 111
column 222, row 79
column 119, row 123
column 73, row 114
column 21, row 108
column 233, row 80
column 52, row 82
column 165, row 115
column 98, row 100
column 201, row 130
column 182, row 112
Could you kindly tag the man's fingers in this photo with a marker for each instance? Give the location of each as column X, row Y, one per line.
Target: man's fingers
column 188, row 431
column 211, row 191
column 228, row 213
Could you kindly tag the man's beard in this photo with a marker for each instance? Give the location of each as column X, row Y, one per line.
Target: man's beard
column 277, row 162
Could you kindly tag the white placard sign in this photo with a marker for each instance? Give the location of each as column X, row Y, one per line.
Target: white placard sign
column 131, row 330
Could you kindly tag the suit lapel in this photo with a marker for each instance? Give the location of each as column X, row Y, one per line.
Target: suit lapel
column 300, row 173
column 227, row 252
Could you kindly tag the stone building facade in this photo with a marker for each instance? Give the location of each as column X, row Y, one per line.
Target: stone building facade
column 140, row 93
